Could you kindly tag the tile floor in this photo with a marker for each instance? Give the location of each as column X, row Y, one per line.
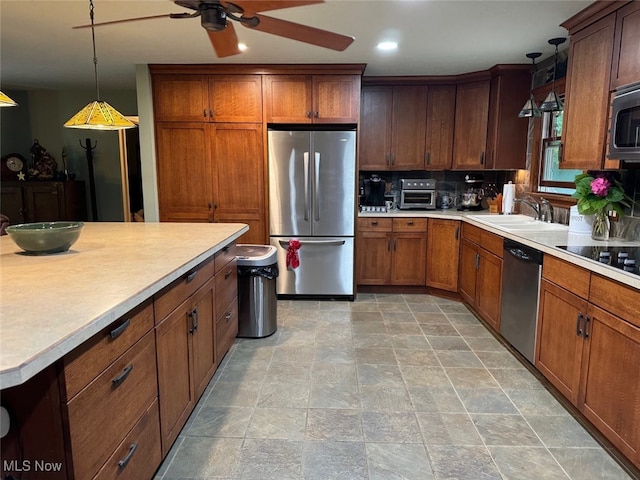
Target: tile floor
column 387, row 387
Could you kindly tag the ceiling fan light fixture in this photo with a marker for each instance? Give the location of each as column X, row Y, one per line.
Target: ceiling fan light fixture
column 5, row 101
column 387, row 46
column 98, row 115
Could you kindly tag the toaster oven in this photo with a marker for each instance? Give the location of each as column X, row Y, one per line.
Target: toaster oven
column 417, row 194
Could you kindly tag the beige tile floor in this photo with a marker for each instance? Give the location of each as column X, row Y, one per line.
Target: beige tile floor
column 387, row 387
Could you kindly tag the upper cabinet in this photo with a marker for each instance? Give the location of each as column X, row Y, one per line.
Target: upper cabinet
column 393, row 127
column 471, row 121
column 441, row 107
column 604, row 53
column 312, row 98
column 208, row 98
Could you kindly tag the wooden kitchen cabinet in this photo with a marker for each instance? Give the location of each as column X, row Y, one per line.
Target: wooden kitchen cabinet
column 625, row 67
column 312, row 98
column 587, row 346
column 185, row 344
column 506, row 133
column 226, row 313
column 480, row 279
column 441, row 107
column 212, row 173
column 207, row 98
column 43, row 201
column 443, row 254
column 393, row 127
column 587, row 95
column 391, row 251
column 471, row 123
column 238, row 178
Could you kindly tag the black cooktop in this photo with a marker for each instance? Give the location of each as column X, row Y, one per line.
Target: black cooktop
column 624, row 258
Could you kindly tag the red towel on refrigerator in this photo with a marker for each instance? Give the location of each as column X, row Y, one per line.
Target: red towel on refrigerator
column 293, row 260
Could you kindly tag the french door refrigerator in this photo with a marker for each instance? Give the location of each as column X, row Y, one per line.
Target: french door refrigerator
column 312, row 194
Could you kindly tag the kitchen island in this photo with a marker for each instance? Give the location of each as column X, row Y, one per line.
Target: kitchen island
column 96, row 343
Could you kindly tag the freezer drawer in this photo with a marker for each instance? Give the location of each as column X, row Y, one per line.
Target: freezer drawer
column 326, row 267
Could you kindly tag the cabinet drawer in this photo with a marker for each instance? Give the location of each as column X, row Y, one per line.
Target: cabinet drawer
column 471, row 233
column 568, row 276
column 165, row 301
column 87, row 361
column 491, row 242
column 101, row 414
column 226, row 287
column 138, row 456
column 224, row 256
column 226, row 329
column 410, row 225
column 621, row 300
column 369, row 224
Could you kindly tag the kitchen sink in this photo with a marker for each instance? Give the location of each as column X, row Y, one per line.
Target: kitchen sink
column 518, row 223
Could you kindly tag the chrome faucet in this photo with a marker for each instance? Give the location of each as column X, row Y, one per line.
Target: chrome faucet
column 532, row 204
column 546, row 210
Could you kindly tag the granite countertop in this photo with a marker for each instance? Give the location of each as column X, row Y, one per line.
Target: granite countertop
column 50, row 304
column 545, row 241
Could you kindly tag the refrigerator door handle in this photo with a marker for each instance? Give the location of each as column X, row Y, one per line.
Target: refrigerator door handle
column 316, row 187
column 285, row 243
column 306, row 185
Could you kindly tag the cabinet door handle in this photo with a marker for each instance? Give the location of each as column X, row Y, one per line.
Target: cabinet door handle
column 477, row 261
column 204, row 112
column 586, row 326
column 481, row 158
column 457, row 232
column 387, row 157
column 393, row 159
column 116, row 332
column 228, row 316
column 132, row 449
column 427, row 158
column 195, row 318
column 308, row 114
column 388, row 245
column 395, row 244
column 116, row 382
column 228, row 274
column 210, row 113
column 579, row 324
column 191, row 276
column 316, row 115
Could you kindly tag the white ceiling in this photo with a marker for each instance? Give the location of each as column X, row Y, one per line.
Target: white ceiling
column 39, row 49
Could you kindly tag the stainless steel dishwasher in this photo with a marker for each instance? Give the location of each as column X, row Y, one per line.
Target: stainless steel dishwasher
column 521, row 269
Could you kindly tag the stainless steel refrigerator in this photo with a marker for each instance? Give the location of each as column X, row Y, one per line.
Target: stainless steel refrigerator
column 312, row 194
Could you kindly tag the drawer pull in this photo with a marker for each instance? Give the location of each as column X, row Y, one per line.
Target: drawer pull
column 374, row 223
column 228, row 274
column 410, row 222
column 226, row 249
column 132, row 449
column 122, row 377
column 228, row 316
column 191, row 276
column 116, row 332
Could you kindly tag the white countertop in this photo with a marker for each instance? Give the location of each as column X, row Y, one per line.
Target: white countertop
column 50, row 304
column 545, row 241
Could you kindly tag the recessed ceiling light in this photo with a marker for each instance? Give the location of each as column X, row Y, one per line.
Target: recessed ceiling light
column 386, row 46
column 242, row 47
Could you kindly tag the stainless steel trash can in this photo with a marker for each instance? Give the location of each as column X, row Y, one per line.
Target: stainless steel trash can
column 257, row 299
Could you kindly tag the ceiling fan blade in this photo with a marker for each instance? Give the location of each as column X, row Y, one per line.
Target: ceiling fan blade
column 225, row 42
column 137, row 19
column 302, row 33
column 252, row 7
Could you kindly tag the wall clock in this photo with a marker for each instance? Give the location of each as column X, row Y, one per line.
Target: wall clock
column 12, row 165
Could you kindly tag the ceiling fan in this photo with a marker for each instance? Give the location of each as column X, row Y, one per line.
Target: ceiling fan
column 215, row 15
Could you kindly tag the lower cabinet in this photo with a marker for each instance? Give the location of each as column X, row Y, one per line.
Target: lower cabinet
column 590, row 354
column 391, row 251
column 480, row 282
column 443, row 253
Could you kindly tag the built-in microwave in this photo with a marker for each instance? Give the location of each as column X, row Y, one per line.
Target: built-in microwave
column 624, row 138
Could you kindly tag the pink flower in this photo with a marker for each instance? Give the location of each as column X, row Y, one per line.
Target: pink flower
column 600, row 186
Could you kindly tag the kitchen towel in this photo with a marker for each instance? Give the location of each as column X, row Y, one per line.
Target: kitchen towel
column 508, row 194
column 293, row 260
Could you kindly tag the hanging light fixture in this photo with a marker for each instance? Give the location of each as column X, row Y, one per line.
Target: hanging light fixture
column 530, row 108
column 5, row 101
column 98, row 115
column 553, row 103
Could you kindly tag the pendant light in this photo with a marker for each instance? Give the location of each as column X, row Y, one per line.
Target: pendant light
column 98, row 115
column 5, row 101
column 530, row 108
column 553, row 103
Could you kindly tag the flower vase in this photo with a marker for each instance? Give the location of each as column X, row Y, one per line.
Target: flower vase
column 600, row 230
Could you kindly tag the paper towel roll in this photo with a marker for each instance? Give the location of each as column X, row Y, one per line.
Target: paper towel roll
column 508, row 194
